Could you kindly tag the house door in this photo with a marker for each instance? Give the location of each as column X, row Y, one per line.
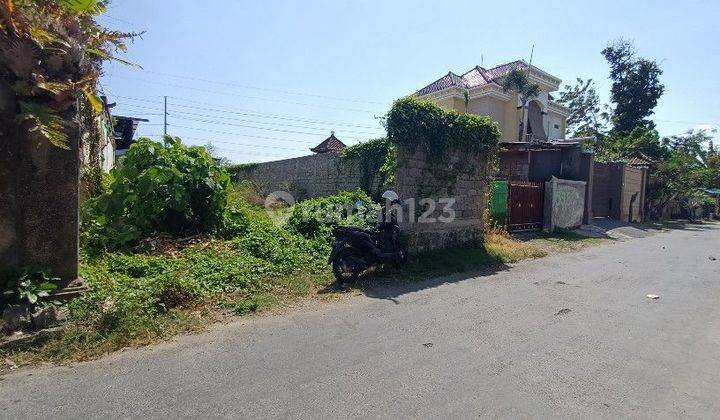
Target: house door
column 525, row 205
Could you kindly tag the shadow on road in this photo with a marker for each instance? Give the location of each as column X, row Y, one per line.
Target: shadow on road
column 427, row 271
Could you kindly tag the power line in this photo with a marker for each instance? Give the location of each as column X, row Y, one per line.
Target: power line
column 687, row 122
column 286, row 92
column 243, row 112
column 234, row 143
column 244, row 96
column 191, row 118
column 234, row 150
column 277, row 130
column 189, row 115
column 244, row 135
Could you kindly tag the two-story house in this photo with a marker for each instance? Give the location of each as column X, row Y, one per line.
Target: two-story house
column 479, row 91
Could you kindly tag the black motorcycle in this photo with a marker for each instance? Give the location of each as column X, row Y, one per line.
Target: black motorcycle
column 354, row 249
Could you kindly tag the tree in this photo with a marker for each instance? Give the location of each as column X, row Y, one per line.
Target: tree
column 636, row 87
column 615, row 147
column 51, row 53
column 682, row 172
column 713, row 164
column 212, row 151
column 587, row 116
column 519, row 82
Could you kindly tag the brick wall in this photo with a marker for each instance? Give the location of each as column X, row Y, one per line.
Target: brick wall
column 460, row 177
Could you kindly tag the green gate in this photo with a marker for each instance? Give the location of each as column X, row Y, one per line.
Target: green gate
column 498, row 203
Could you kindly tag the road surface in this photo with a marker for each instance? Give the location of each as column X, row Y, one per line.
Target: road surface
column 570, row 335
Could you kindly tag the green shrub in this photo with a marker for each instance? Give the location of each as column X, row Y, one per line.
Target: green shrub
column 376, row 157
column 27, row 286
column 157, row 188
column 416, row 123
column 315, row 218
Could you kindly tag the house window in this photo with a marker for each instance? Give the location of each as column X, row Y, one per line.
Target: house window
column 557, row 126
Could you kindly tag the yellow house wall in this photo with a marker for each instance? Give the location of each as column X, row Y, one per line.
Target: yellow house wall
column 502, row 112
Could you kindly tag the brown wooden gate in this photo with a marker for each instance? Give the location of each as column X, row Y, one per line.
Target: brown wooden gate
column 525, row 205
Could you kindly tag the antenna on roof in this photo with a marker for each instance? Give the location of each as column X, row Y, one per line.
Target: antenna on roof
column 532, row 51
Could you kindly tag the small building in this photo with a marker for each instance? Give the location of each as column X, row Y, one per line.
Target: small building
column 124, row 132
column 330, row 144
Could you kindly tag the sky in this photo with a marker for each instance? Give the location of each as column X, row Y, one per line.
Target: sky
column 265, row 80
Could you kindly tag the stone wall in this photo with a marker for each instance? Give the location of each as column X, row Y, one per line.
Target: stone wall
column 457, row 186
column 564, row 204
column 39, row 186
column 311, row 176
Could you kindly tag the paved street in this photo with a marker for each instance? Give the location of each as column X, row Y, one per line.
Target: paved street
column 569, row 335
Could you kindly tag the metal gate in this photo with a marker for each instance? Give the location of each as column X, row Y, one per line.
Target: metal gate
column 525, row 205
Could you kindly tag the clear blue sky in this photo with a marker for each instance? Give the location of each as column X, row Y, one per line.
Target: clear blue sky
column 279, row 75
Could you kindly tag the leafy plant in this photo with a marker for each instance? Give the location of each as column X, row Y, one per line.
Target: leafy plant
column 518, row 81
column 376, row 157
column 157, row 188
column 587, row 116
column 30, row 285
column 51, row 53
column 315, row 218
column 420, row 124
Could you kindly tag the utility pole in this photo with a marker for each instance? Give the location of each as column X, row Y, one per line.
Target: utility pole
column 165, row 118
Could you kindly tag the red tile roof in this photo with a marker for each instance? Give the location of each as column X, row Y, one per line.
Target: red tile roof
column 640, row 159
column 477, row 76
column 330, row 144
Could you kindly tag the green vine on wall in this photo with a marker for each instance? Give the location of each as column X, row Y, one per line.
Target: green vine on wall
column 416, row 123
column 375, row 157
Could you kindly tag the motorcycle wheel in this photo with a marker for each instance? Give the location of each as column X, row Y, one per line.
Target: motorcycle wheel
column 344, row 269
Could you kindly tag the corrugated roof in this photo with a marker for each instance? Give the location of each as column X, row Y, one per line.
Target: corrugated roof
column 477, row 76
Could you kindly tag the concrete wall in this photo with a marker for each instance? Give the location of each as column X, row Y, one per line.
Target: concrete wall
column 564, row 204
column 459, row 177
column 311, row 176
column 39, row 187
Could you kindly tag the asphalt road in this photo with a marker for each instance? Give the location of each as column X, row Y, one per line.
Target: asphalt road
column 570, row 335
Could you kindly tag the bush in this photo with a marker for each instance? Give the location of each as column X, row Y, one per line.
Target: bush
column 413, row 123
column 315, row 218
column 156, row 188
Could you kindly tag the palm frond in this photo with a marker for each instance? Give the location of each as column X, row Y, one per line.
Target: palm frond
column 83, row 7
column 45, row 123
column 95, row 102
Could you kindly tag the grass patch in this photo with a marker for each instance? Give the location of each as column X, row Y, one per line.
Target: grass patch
column 509, row 250
column 495, row 251
column 562, row 240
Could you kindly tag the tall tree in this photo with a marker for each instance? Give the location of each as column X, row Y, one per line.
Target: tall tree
column 636, row 87
column 587, row 115
column 518, row 81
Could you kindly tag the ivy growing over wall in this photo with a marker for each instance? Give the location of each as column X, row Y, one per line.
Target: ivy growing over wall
column 415, row 123
column 376, row 157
